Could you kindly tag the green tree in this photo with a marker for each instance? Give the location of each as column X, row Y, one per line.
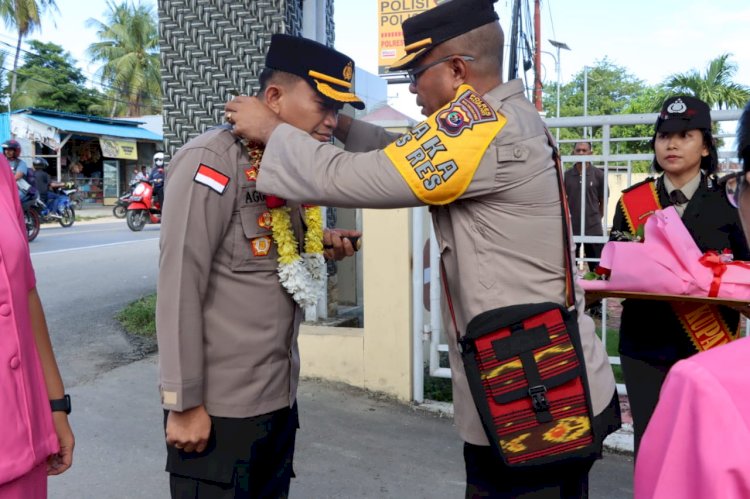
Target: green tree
column 610, row 88
column 49, row 79
column 129, row 51
column 605, row 89
column 715, row 87
column 25, row 17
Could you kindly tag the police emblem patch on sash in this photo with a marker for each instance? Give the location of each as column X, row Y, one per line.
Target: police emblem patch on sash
column 261, row 246
column 211, row 178
column 468, row 110
column 439, row 157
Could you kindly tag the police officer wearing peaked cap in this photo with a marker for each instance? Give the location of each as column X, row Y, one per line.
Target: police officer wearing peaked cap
column 481, row 158
column 448, row 20
column 227, row 329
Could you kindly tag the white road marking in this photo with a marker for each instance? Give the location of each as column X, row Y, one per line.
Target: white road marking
column 92, row 247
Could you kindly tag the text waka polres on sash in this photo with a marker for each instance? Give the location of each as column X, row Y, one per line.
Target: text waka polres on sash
column 439, row 156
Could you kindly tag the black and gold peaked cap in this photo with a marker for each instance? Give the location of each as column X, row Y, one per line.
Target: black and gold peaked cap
column 328, row 71
column 441, row 23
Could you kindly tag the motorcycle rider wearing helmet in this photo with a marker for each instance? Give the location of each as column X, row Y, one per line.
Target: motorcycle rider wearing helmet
column 43, row 182
column 157, row 177
column 12, row 151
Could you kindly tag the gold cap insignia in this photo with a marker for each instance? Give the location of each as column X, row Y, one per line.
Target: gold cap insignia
column 348, row 72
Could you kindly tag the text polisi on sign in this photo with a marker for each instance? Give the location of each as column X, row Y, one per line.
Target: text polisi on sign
column 395, row 12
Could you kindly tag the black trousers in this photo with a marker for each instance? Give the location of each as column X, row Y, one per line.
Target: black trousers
column 487, row 476
column 245, row 458
column 643, row 382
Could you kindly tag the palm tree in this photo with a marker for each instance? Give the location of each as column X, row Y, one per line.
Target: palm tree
column 715, row 87
column 25, row 17
column 129, row 51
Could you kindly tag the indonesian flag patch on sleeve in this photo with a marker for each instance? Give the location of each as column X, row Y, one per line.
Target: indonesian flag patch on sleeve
column 211, row 178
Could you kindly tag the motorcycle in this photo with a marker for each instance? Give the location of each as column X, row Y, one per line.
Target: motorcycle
column 143, row 207
column 120, row 210
column 31, row 218
column 76, row 198
column 59, row 209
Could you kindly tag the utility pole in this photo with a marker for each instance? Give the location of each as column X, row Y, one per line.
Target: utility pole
column 537, row 56
column 513, row 51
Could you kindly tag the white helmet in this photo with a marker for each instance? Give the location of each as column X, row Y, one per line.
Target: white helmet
column 159, row 159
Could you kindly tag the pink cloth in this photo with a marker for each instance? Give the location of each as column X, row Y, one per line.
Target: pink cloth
column 27, row 435
column 32, row 485
column 667, row 262
column 697, row 444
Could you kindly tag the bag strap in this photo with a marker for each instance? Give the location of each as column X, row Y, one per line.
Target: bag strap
column 570, row 296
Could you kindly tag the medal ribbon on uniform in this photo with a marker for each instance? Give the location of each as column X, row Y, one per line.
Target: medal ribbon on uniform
column 303, row 276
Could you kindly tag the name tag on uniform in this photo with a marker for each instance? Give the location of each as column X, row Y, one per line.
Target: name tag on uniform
column 439, row 157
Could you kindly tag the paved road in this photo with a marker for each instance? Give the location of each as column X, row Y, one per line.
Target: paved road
column 352, row 443
column 86, row 274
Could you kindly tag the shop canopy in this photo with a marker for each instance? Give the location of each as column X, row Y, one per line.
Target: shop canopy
column 54, row 128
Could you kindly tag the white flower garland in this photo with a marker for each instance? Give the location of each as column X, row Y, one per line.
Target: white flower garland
column 303, row 276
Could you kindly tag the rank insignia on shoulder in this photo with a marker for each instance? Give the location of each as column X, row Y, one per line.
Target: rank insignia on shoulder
column 261, row 246
column 251, row 174
column 264, row 220
column 213, row 179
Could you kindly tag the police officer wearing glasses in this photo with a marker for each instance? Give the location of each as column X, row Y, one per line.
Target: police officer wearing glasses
column 483, row 162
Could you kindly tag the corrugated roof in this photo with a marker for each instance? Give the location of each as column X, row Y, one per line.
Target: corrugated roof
column 90, row 125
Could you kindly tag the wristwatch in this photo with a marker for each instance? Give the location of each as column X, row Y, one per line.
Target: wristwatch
column 62, row 404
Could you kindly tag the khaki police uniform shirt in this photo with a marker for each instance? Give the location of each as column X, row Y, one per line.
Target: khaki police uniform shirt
column 226, row 329
column 500, row 241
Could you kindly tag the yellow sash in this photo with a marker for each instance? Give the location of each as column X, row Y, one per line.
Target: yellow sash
column 439, row 156
column 703, row 323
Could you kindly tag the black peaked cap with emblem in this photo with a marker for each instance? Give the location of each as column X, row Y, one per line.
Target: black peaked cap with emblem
column 681, row 113
column 441, row 23
column 329, row 72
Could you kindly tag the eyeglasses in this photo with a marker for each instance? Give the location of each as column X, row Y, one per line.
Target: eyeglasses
column 734, row 185
column 414, row 73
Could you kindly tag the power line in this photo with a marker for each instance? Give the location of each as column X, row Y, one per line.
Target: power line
column 551, row 19
column 91, row 80
column 149, row 99
column 102, row 96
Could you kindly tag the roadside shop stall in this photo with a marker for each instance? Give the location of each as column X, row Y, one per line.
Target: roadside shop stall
column 97, row 154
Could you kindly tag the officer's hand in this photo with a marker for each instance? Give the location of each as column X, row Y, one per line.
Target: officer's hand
column 189, row 430
column 340, row 243
column 251, row 118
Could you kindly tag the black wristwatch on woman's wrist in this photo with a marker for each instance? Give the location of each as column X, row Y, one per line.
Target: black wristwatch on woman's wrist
column 62, row 405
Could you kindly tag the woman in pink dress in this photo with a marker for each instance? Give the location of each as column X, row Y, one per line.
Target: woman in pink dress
column 36, row 439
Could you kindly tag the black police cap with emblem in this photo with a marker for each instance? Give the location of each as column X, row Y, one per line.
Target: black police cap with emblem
column 682, row 113
column 441, row 23
column 328, row 71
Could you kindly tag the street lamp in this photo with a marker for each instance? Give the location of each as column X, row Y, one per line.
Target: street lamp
column 558, row 46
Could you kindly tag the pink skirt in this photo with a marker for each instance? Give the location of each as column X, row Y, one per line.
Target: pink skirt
column 32, row 485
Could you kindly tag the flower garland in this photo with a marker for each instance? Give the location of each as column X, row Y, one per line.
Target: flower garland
column 303, row 276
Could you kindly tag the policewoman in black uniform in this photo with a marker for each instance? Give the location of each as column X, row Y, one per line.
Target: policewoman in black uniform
column 654, row 335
